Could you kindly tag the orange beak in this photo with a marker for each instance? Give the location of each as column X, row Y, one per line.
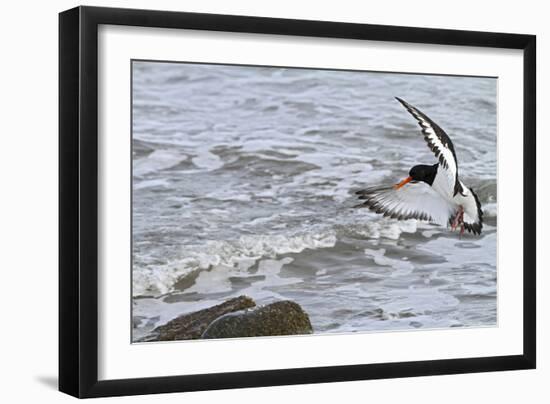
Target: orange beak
column 405, row 181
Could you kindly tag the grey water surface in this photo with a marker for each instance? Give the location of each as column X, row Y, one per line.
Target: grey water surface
column 243, row 181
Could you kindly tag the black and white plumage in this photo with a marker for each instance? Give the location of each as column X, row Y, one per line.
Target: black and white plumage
column 431, row 192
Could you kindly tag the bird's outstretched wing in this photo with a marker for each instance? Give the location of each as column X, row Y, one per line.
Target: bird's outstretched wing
column 440, row 144
column 415, row 201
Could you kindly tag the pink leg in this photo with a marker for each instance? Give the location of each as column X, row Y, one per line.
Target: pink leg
column 458, row 220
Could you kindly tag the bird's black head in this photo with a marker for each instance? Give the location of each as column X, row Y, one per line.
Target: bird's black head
column 419, row 173
column 423, row 173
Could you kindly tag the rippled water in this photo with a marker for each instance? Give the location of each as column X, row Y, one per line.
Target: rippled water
column 243, row 181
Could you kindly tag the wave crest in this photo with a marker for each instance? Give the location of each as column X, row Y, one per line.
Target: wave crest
column 155, row 280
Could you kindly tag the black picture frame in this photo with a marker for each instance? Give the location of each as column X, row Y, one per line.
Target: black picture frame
column 78, row 201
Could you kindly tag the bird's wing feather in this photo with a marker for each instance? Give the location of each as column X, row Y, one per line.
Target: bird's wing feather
column 414, row 201
column 473, row 214
column 440, row 144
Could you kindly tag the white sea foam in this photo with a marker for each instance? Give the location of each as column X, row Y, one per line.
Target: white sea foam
column 373, row 227
column 419, row 300
column 156, row 161
column 160, row 182
column 229, row 195
column 430, row 233
column 490, row 209
column 207, row 160
column 379, row 258
column 155, row 280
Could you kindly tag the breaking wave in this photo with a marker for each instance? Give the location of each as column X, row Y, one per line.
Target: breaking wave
column 239, row 255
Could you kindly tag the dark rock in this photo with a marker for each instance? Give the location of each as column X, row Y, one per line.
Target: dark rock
column 279, row 318
column 193, row 325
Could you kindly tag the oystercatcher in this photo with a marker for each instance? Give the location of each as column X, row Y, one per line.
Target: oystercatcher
column 431, row 192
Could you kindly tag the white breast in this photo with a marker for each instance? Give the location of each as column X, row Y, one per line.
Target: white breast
column 442, row 187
